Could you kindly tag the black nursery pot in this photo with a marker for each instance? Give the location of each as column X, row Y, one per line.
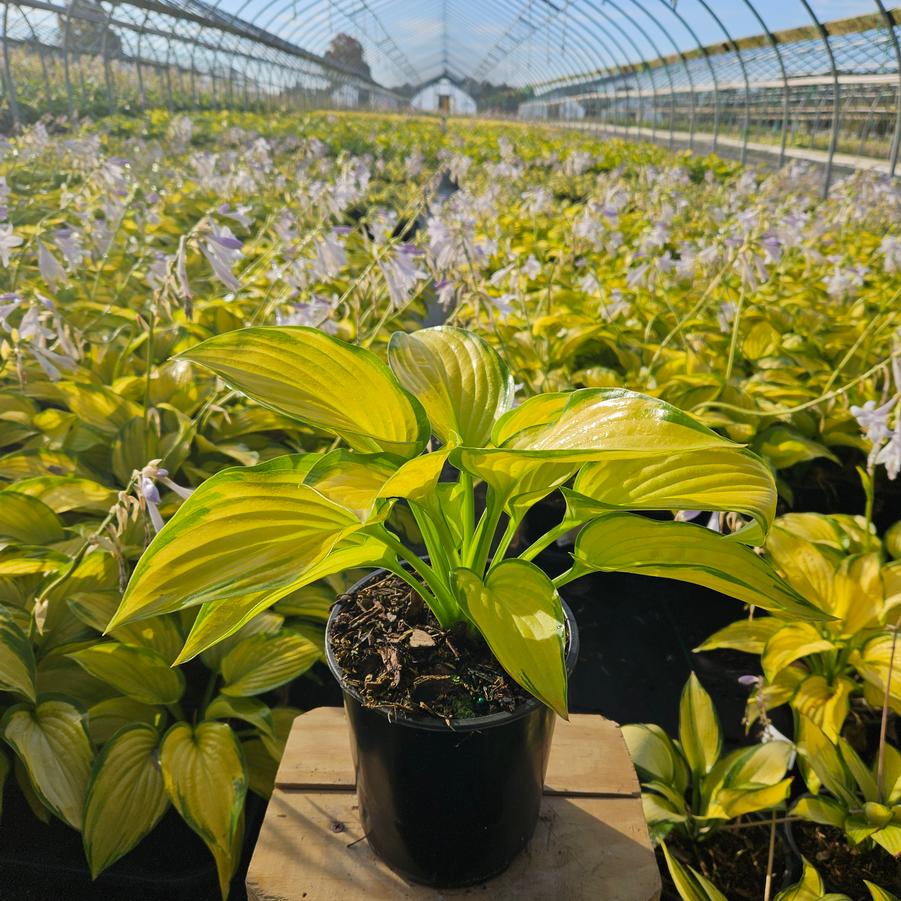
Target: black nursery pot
column 449, row 806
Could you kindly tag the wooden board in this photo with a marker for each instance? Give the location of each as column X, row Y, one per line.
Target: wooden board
column 591, row 841
column 588, row 756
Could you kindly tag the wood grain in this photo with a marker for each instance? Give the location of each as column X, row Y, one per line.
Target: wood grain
column 591, row 841
column 311, row 847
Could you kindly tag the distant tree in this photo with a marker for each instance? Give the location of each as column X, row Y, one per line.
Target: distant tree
column 347, row 52
column 87, row 29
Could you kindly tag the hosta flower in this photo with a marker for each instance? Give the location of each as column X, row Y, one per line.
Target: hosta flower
column 222, row 249
column 531, row 269
column 458, row 165
column 873, row 421
column 8, row 242
column 9, row 303
column 413, row 163
column 158, row 271
column 500, row 276
column 401, row 276
column 149, row 476
column 181, row 269
column 726, row 315
column 237, row 214
column 503, row 305
column 69, row 242
column 330, row 257
column 890, row 455
column 445, row 293
column 845, row 282
column 890, row 248
column 536, row 200
column 317, row 313
column 589, row 284
column 616, row 306
column 50, row 267
column 34, row 333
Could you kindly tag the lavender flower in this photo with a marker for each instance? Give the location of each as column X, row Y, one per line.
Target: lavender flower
column 8, row 242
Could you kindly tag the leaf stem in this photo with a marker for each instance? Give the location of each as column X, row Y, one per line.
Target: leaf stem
column 534, row 549
column 445, row 604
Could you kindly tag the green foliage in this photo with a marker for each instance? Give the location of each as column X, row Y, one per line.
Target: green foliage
column 252, row 535
column 819, row 667
column 864, row 802
column 690, row 788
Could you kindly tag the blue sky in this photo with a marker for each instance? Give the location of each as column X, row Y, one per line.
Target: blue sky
column 474, row 28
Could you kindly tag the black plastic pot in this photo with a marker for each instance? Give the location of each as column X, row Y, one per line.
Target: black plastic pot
column 449, row 805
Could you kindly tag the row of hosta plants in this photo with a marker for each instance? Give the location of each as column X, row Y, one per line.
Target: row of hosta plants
column 731, row 823
column 745, row 299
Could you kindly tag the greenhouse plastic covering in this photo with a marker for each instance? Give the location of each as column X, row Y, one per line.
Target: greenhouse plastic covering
column 812, row 78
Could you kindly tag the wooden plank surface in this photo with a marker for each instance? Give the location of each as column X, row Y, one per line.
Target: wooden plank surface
column 311, row 847
column 588, row 756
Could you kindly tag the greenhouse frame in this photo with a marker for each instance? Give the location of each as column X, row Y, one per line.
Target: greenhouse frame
column 704, row 75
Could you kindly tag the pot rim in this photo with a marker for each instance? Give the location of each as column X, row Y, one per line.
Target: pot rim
column 465, row 724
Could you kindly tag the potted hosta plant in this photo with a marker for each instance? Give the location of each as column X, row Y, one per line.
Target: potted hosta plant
column 694, row 793
column 452, row 664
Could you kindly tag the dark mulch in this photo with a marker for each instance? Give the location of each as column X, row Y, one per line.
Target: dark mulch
column 395, row 655
column 734, row 861
column 844, row 866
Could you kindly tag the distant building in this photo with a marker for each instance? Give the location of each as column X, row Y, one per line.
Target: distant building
column 346, row 95
column 564, row 108
column 443, row 96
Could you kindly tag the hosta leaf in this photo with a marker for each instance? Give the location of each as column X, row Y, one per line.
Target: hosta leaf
column 217, row 621
column 28, row 520
column 726, row 480
column 262, row 662
column 764, row 764
column 317, row 379
column 823, row 758
column 790, row 643
column 458, row 378
column 350, row 479
column 98, row 406
column 785, row 447
column 690, row 884
column 655, row 756
column 106, row 718
column 242, row 531
column 29, row 560
column 826, row 704
column 125, row 796
column 603, row 423
column 158, row 633
column 810, row 888
column 738, row 802
column 517, row 480
column 261, row 767
column 689, row 553
column 17, row 664
column 518, row 611
column 748, row 635
column 889, row 838
column 699, row 728
column 205, row 779
column 137, row 672
column 52, row 742
column 282, row 721
column 825, row 811
column 804, row 564
column 879, row 894
column 250, row 710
